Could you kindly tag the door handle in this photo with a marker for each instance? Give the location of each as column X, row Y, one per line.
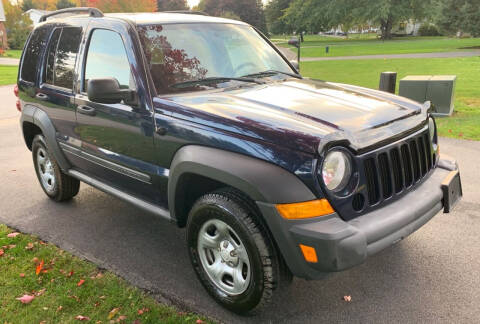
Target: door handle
column 41, row 96
column 86, row 110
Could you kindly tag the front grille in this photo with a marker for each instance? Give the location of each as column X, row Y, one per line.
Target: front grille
column 397, row 167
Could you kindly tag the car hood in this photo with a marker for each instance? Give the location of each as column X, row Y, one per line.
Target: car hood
column 304, row 114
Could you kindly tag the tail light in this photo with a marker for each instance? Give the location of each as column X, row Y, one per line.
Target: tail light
column 15, row 90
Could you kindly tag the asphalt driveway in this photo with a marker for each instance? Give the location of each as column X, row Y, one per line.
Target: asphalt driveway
column 431, row 276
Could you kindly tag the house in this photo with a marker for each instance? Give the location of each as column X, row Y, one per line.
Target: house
column 3, row 30
column 406, row 28
column 36, row 14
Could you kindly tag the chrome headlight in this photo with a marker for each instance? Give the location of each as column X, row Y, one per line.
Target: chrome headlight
column 336, row 170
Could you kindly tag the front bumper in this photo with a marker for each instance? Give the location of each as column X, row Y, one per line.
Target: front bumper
column 341, row 245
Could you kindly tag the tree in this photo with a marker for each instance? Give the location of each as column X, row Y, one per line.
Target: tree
column 123, row 5
column 250, row 11
column 62, row 4
column 171, row 5
column 17, row 24
column 459, row 16
column 387, row 13
column 45, row 4
column 274, row 12
column 27, row 5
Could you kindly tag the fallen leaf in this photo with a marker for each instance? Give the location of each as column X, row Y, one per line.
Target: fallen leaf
column 26, row 299
column 45, row 308
column 460, row 134
column 2, row 252
column 143, row 310
column 449, row 130
column 39, row 268
column 80, row 283
column 97, row 276
column 59, row 308
column 70, row 274
column 82, row 318
column 29, row 246
column 14, row 234
column 22, row 275
column 96, row 304
column 75, row 297
column 35, row 260
column 40, row 292
column 137, row 322
column 102, row 297
column 199, row 321
column 347, row 298
column 121, row 318
column 8, row 247
column 112, row 313
column 43, row 322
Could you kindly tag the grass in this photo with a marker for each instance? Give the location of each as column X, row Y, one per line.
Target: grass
column 59, row 296
column 314, row 46
column 8, row 74
column 465, row 123
column 12, row 54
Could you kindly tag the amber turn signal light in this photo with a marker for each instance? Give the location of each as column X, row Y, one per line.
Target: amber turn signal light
column 309, row 253
column 306, row 209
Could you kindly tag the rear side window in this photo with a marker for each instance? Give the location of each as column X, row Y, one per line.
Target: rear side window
column 65, row 57
column 52, row 49
column 33, row 53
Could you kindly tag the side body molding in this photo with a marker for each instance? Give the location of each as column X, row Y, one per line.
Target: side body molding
column 39, row 118
column 260, row 180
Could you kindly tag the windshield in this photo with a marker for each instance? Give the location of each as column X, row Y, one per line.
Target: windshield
column 179, row 53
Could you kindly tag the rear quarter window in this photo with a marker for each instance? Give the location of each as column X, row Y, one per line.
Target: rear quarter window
column 36, row 44
column 66, row 56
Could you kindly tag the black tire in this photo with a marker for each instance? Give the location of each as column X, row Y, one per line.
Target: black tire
column 64, row 187
column 240, row 214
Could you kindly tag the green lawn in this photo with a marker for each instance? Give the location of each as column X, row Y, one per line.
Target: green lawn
column 66, row 287
column 465, row 123
column 8, row 74
column 314, row 46
column 12, row 54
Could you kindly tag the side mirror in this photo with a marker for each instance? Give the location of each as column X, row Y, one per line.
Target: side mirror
column 107, row 91
column 295, row 65
column 294, row 42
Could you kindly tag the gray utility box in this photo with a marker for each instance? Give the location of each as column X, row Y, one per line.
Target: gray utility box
column 439, row 89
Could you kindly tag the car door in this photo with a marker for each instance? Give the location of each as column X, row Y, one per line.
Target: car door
column 116, row 140
column 55, row 93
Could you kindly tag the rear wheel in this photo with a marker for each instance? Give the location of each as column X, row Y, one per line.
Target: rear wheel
column 231, row 252
column 56, row 184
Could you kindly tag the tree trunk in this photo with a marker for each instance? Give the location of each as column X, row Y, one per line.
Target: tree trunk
column 386, row 28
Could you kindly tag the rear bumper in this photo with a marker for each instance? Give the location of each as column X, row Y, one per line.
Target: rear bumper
column 341, row 245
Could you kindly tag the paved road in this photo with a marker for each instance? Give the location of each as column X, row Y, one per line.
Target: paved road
column 432, row 276
column 292, row 55
column 9, row 61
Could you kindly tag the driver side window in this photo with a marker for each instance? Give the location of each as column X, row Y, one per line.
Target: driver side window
column 107, row 58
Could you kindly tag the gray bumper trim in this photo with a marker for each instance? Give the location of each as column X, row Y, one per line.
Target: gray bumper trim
column 341, row 245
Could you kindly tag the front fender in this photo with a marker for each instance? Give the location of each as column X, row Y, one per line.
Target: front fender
column 261, row 181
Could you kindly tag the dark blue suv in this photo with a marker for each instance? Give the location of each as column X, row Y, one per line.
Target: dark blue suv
column 203, row 122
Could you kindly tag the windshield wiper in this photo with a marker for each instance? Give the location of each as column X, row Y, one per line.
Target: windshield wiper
column 187, row 84
column 272, row 72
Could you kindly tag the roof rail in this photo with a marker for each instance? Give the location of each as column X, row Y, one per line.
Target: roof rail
column 92, row 12
column 188, row 12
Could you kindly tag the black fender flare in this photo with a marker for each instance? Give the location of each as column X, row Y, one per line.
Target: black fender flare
column 39, row 118
column 260, row 180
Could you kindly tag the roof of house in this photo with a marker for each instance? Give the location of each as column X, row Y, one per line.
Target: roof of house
column 2, row 12
column 38, row 11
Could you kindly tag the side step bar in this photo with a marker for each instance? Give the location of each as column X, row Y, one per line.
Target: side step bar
column 146, row 206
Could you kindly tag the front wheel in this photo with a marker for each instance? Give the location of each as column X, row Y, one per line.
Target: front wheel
column 231, row 252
